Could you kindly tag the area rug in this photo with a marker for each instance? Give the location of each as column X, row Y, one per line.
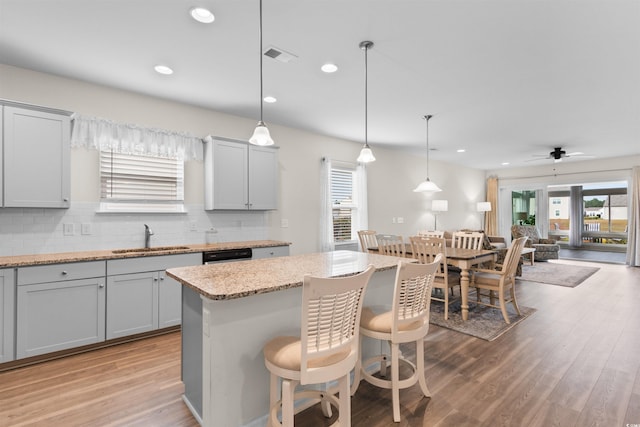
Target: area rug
column 553, row 273
column 484, row 322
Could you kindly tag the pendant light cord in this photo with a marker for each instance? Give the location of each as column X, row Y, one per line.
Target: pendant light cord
column 261, row 97
column 366, row 98
column 426, row 118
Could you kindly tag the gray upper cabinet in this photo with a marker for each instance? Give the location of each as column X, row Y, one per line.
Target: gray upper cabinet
column 240, row 176
column 7, row 292
column 36, row 159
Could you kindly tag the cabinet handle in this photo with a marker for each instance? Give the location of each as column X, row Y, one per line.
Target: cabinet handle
column 66, row 199
column 162, row 278
column 64, row 272
column 155, row 279
column 101, row 285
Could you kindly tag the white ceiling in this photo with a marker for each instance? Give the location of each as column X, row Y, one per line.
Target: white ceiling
column 505, row 79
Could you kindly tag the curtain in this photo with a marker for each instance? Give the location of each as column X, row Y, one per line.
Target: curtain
column 491, row 217
column 633, row 242
column 575, row 215
column 326, row 213
column 102, row 134
column 361, row 220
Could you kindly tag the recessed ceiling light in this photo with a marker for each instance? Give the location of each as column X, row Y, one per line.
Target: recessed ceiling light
column 203, row 15
column 163, row 69
column 270, row 99
column 504, row 163
column 329, row 68
column 461, row 150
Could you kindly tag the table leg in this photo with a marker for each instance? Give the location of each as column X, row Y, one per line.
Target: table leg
column 464, row 290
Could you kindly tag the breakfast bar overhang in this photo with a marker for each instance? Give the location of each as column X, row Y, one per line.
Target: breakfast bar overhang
column 231, row 309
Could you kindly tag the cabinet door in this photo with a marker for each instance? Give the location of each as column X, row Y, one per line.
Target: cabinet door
column 169, row 301
column 59, row 315
column 7, row 304
column 228, row 186
column 132, row 304
column 263, row 178
column 36, row 158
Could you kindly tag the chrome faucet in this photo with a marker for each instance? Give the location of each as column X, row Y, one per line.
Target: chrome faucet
column 147, row 236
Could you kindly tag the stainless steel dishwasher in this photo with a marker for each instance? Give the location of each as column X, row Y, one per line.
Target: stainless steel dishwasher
column 192, row 342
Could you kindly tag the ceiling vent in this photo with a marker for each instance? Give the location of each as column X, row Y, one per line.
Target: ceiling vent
column 279, row 54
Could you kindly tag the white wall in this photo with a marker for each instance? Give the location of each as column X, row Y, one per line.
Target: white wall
column 391, row 179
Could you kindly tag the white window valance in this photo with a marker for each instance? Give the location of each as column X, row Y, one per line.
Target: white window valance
column 101, row 134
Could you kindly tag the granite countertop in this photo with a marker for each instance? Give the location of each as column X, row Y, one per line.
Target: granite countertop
column 225, row 281
column 55, row 258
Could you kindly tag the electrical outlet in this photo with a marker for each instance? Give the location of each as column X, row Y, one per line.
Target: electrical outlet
column 284, row 223
column 193, row 226
column 393, row 220
column 86, row 229
column 400, row 220
column 68, row 229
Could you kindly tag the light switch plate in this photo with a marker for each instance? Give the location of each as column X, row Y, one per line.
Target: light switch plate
column 68, row 229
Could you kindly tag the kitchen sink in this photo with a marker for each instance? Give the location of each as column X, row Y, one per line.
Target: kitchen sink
column 143, row 250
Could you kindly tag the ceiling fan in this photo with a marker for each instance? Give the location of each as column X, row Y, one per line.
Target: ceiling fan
column 558, row 154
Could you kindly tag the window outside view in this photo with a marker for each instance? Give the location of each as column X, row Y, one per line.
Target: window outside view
column 604, row 217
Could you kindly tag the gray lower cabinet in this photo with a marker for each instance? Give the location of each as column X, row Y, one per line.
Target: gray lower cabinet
column 140, row 297
column 271, row 252
column 132, row 304
column 59, row 307
column 7, row 304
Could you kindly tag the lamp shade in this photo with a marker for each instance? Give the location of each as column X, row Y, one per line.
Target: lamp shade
column 261, row 135
column 427, row 187
column 366, row 155
column 483, row 206
column 439, row 205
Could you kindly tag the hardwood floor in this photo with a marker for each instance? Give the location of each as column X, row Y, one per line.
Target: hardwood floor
column 575, row 362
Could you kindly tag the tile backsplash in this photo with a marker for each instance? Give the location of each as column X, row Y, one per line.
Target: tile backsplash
column 35, row 231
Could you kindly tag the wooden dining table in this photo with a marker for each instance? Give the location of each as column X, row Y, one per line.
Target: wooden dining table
column 464, row 259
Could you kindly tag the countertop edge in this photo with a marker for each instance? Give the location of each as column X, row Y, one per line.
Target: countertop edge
column 192, row 277
column 108, row 254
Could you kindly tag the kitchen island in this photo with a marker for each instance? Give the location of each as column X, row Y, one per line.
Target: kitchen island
column 236, row 308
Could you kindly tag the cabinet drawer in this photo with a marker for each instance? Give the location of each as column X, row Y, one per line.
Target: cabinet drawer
column 271, row 252
column 152, row 263
column 60, row 272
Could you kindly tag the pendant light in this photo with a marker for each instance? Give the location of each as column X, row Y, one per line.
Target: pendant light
column 427, row 186
column 366, row 155
column 261, row 133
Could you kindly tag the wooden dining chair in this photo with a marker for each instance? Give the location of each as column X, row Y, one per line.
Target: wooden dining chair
column 467, row 240
column 425, row 250
column 407, row 321
column 391, row 244
column 326, row 350
column 500, row 280
column 367, row 240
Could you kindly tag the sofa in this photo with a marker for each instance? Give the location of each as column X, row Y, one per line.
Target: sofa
column 546, row 249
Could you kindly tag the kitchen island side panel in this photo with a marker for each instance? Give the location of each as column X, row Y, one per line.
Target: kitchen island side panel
column 235, row 379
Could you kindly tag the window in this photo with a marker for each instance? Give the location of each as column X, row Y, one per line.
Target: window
column 343, row 205
column 140, row 183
